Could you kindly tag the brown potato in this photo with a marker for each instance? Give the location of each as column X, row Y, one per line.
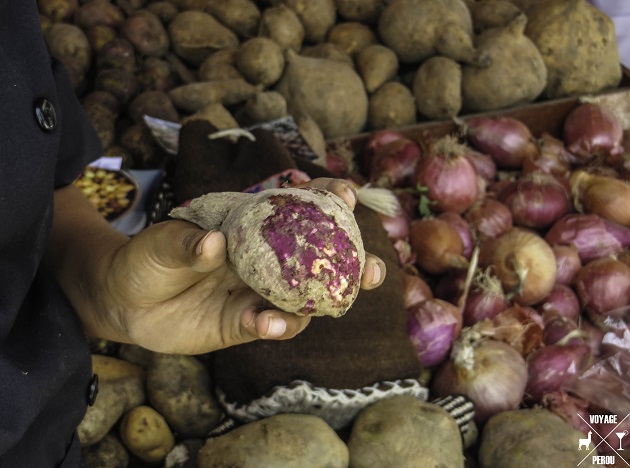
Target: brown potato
column 69, row 44
column 215, row 113
column 179, row 388
column 492, row 14
column 164, row 10
column 351, row 37
column 58, row 10
column 329, row 51
column 437, row 88
column 517, row 74
column 157, row 74
column 154, row 104
column 99, row 13
column 195, row 35
column 111, row 368
column 109, row 452
column 282, row 24
column 263, row 107
column 391, row 106
column 147, row 33
column 146, row 434
column 364, row 11
column 241, row 16
column 121, row 83
column 317, row 17
column 118, row 53
column 194, row 96
column 377, row 65
column 260, row 61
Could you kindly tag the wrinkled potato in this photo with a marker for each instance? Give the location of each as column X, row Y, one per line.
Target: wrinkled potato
column 195, row 35
column 260, row 61
column 146, row 434
column 377, row 65
column 517, row 74
column 391, row 106
column 179, row 388
column 437, row 88
column 405, row 432
column 578, row 45
column 351, row 37
column 286, row 440
column 282, row 24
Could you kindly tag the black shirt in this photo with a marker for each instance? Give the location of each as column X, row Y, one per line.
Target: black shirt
column 44, row 356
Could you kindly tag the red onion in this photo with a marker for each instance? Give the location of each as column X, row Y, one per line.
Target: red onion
column 536, row 200
column 485, row 299
column 593, row 336
column 553, row 158
column 491, row 373
column 462, row 228
column 432, row 326
column 603, row 286
column 338, row 164
column 567, row 263
column 520, row 327
column 448, row 177
column 489, row 217
column 561, row 300
column 437, row 245
column 415, row 290
column 590, row 130
column 483, row 164
column 555, row 367
column 506, row 139
column 592, row 235
column 559, row 328
column 523, row 262
column 572, row 409
column 376, row 140
column 393, row 164
column 397, row 226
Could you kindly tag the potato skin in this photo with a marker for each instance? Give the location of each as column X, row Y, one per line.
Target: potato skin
column 437, row 88
column 286, row 440
column 146, row 434
column 282, row 24
column 260, row 61
column 391, row 106
column 377, row 65
column 179, row 388
column 402, row 430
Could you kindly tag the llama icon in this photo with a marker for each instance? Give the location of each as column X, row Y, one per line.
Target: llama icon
column 585, row 442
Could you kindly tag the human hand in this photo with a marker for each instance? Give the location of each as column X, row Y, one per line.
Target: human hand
column 171, row 290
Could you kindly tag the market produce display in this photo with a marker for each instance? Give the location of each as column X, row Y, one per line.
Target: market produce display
column 513, row 243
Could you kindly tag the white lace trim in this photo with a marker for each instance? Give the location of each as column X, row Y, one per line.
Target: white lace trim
column 337, row 407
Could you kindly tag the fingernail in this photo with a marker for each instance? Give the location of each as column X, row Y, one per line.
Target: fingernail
column 199, row 249
column 277, row 327
column 352, row 194
column 376, row 271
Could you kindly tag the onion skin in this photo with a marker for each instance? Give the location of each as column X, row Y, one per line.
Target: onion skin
column 603, row 286
column 375, row 141
column 604, row 196
column 432, row 327
column 554, row 368
column 462, row 228
column 397, row 227
column 553, row 158
column 524, row 263
column 562, row 300
column 507, row 140
column 489, row 217
column 567, row 263
column 483, row 164
column 593, row 236
column 493, row 377
column 536, row 200
column 590, row 130
column 437, row 245
column 449, row 177
column 415, row 290
column 394, row 163
column 485, row 299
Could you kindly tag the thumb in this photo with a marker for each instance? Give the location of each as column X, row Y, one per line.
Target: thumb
column 183, row 244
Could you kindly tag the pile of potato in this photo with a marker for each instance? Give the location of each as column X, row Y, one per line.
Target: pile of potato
column 339, row 67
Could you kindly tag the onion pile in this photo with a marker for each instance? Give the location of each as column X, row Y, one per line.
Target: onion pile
column 526, row 322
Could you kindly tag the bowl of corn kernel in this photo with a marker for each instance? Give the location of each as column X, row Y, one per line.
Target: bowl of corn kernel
column 114, row 193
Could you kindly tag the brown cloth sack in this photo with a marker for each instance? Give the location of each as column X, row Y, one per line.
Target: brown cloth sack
column 337, row 365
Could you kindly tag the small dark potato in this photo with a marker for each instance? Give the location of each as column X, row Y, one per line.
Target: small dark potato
column 109, row 452
column 164, row 10
column 98, row 36
column 157, row 74
column 99, row 13
column 117, row 54
column 58, row 10
column 69, row 44
column 154, row 104
column 103, row 98
column 121, row 83
column 147, row 33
